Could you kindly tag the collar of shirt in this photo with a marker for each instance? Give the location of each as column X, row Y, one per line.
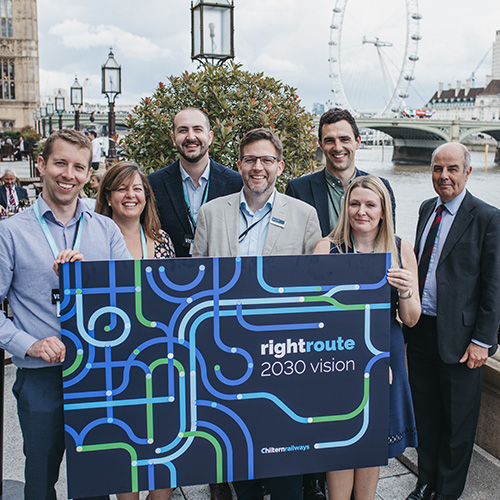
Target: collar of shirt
column 253, row 243
column 335, row 195
column 453, row 205
column 186, row 178
column 46, row 210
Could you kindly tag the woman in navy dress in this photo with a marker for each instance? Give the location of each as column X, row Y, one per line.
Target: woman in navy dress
column 365, row 226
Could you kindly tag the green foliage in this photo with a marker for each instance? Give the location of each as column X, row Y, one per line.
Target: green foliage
column 30, row 135
column 236, row 101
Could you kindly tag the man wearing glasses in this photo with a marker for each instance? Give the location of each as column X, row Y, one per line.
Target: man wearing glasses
column 258, row 221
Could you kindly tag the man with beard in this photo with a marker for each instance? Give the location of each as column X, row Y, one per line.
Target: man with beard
column 185, row 185
column 259, row 221
column 339, row 139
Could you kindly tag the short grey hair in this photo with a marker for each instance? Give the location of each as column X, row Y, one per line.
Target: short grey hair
column 9, row 171
column 467, row 155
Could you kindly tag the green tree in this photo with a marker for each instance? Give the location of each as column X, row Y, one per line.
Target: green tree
column 236, row 101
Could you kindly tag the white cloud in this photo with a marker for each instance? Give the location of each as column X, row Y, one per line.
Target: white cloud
column 79, row 35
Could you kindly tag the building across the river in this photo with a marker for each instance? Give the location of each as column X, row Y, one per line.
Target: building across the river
column 465, row 102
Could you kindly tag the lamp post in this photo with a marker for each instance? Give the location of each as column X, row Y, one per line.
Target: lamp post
column 43, row 114
column 212, row 31
column 111, row 86
column 60, row 107
column 76, row 99
column 50, row 114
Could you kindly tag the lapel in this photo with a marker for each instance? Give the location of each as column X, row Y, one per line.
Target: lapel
column 279, row 211
column 425, row 213
column 218, row 181
column 172, row 181
column 320, row 196
column 462, row 221
column 231, row 220
column 3, row 196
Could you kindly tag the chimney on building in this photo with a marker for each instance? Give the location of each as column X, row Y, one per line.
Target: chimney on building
column 440, row 89
column 459, row 87
column 449, row 86
column 467, row 86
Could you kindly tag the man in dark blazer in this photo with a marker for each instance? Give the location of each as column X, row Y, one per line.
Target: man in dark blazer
column 182, row 187
column 339, row 138
column 9, row 179
column 458, row 249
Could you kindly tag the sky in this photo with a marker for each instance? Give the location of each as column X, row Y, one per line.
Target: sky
column 286, row 39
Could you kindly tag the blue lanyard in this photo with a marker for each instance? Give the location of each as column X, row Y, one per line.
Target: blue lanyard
column 48, row 234
column 188, row 205
column 144, row 245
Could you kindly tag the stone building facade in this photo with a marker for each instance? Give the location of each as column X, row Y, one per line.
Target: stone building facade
column 465, row 102
column 19, row 71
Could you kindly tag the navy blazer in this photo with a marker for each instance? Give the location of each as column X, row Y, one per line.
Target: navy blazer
column 467, row 277
column 172, row 209
column 22, row 194
column 313, row 189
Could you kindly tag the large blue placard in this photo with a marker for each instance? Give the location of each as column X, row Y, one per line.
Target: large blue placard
column 191, row 371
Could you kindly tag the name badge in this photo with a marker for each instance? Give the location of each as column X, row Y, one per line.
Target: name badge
column 277, row 222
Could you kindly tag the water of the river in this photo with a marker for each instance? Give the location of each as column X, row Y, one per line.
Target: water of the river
column 412, row 183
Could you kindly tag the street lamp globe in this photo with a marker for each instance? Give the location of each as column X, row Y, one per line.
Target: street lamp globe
column 212, row 31
column 111, row 77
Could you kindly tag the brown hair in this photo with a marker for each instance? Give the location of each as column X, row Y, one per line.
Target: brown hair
column 69, row 135
column 123, row 173
column 386, row 239
column 261, row 134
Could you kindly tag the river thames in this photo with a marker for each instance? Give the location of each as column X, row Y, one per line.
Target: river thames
column 412, row 184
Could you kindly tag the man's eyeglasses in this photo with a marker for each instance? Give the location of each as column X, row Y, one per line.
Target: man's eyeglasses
column 266, row 161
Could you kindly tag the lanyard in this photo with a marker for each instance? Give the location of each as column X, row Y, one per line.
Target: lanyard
column 241, row 237
column 188, row 205
column 144, row 245
column 48, row 235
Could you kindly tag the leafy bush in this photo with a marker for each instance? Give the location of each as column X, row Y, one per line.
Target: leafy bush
column 236, row 101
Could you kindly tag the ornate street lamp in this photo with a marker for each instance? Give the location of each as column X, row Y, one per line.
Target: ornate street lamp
column 212, row 31
column 60, row 107
column 76, row 99
column 50, row 114
column 43, row 114
column 111, row 86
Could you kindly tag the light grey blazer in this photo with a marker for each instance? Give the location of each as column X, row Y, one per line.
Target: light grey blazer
column 296, row 232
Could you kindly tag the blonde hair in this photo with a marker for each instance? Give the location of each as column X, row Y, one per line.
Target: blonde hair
column 386, row 239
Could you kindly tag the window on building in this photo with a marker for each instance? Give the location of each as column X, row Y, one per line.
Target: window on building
column 6, row 17
column 7, row 80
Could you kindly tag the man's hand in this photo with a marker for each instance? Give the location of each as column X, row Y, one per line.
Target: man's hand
column 67, row 255
column 475, row 356
column 50, row 349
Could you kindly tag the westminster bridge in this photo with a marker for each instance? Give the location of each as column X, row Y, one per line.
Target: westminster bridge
column 416, row 138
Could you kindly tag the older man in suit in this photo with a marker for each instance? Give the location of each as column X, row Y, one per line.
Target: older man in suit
column 458, row 249
column 258, row 221
column 10, row 193
column 185, row 185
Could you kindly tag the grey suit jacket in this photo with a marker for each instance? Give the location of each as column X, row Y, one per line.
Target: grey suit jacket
column 217, row 228
column 467, row 277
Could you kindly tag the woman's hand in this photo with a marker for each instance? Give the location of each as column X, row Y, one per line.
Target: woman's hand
column 401, row 279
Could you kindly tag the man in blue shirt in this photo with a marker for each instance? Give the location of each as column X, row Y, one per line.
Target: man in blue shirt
column 258, row 221
column 184, row 186
column 57, row 229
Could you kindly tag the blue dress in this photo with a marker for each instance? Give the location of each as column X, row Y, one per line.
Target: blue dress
column 402, row 428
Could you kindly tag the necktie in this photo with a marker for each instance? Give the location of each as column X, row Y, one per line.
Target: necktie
column 423, row 265
column 12, row 199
